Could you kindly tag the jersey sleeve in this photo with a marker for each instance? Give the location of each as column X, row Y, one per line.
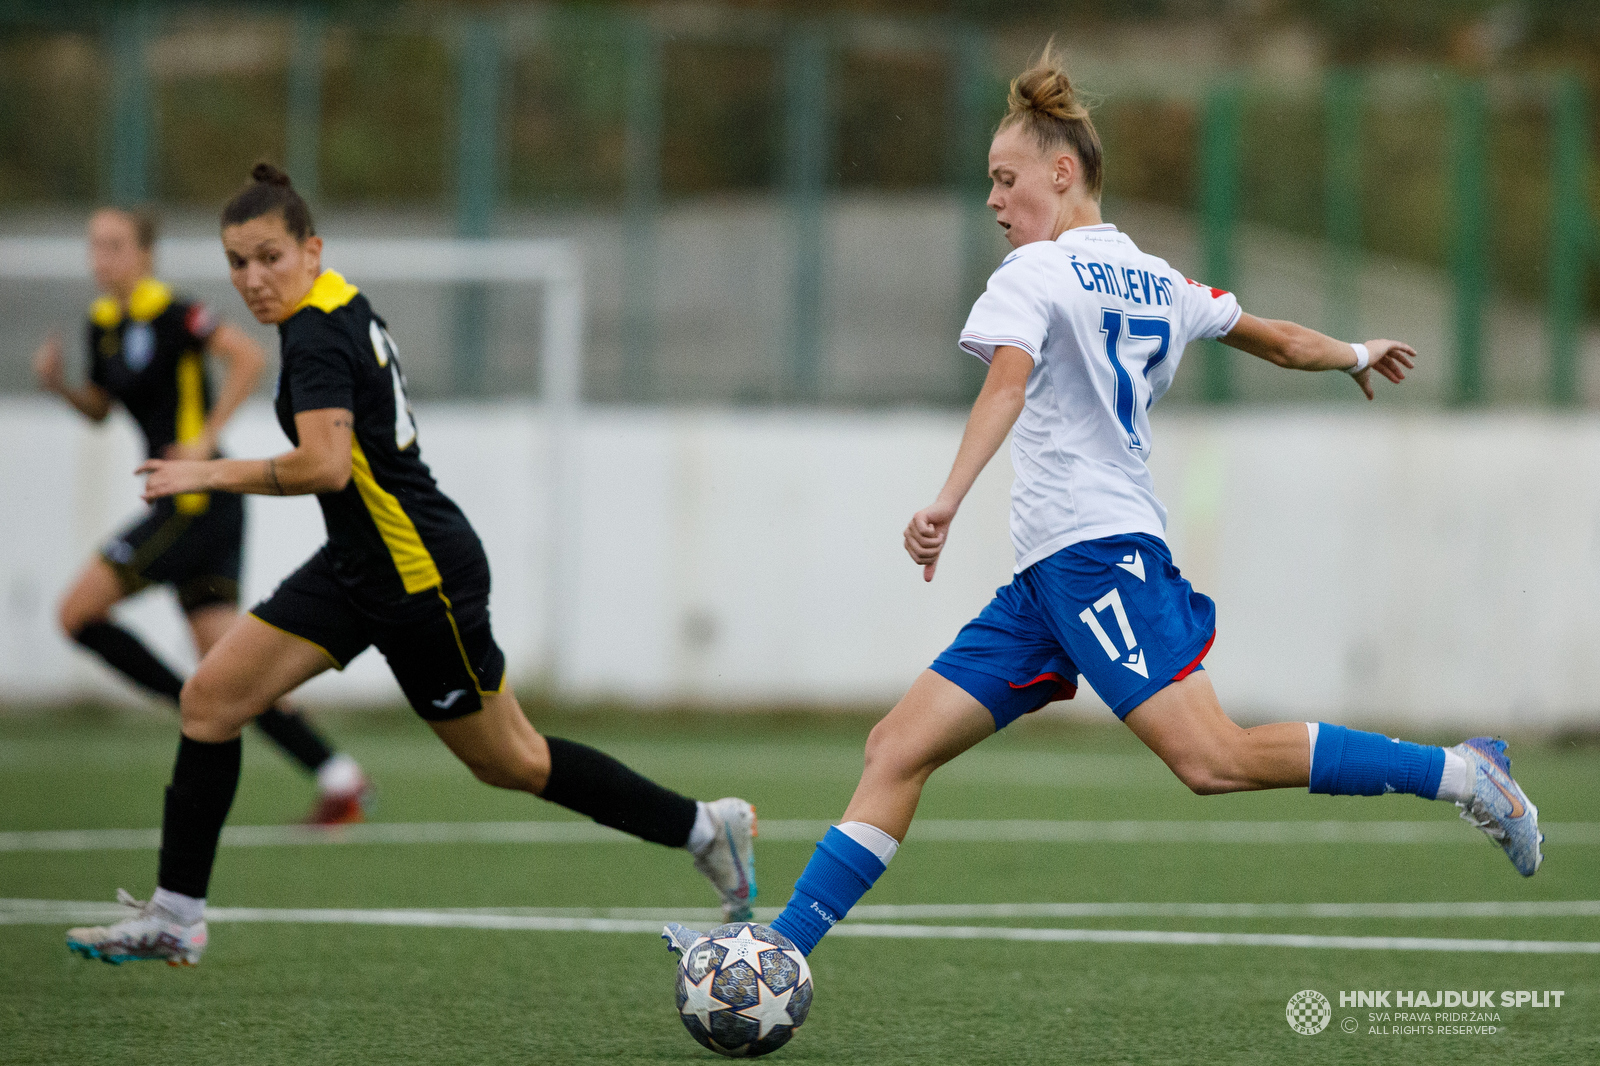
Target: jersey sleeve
column 318, row 369
column 1207, row 312
column 1014, row 309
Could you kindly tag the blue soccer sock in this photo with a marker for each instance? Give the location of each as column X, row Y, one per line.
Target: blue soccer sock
column 838, row 875
column 1348, row 762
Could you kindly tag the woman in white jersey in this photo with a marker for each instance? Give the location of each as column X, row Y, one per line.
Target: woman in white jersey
column 1082, row 333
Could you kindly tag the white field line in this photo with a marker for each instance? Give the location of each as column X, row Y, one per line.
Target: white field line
column 972, row 831
column 1259, row 940
column 25, row 911
column 28, row 911
column 35, row 912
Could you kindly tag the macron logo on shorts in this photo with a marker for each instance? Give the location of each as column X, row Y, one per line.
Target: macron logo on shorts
column 449, row 699
column 1133, row 564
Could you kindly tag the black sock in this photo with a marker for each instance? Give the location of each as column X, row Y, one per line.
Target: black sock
column 291, row 732
column 593, row 783
column 126, row 654
column 204, row 780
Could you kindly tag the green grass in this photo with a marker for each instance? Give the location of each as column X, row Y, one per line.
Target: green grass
column 310, row 994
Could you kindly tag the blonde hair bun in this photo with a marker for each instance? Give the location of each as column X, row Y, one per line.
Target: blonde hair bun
column 1045, row 90
column 1042, row 100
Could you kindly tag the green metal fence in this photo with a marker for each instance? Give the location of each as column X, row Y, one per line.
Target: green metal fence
column 1573, row 237
column 807, row 56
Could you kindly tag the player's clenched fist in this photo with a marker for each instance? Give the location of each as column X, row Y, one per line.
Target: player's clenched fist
column 925, row 536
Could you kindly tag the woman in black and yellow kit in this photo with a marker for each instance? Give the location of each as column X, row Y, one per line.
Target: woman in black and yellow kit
column 147, row 351
column 402, row 570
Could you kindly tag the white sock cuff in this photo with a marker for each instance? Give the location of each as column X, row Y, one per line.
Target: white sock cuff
column 872, row 838
column 1311, row 730
column 186, row 909
column 339, row 774
column 704, row 830
column 1457, row 781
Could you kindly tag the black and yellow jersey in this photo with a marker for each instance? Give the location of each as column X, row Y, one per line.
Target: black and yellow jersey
column 391, row 532
column 151, row 359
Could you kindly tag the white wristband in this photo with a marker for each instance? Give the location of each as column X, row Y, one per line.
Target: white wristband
column 1363, row 357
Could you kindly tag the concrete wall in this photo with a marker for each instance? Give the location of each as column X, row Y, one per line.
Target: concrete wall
column 1368, row 566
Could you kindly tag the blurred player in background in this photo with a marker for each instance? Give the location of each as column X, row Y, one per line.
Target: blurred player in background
column 147, row 351
column 402, row 570
column 1082, row 333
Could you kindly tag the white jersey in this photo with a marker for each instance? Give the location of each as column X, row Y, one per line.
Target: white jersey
column 1106, row 326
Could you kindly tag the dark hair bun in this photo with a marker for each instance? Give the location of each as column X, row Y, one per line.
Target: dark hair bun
column 269, row 192
column 269, row 174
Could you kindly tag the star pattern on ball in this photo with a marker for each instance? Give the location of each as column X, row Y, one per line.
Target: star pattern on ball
column 700, row 1002
column 800, row 964
column 771, row 1010
column 744, row 948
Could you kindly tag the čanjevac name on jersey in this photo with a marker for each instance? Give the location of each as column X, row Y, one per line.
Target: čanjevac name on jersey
column 1105, row 325
column 391, row 532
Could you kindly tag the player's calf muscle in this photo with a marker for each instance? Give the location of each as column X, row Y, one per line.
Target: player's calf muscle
column 1250, row 760
column 1219, row 765
column 508, row 771
column 1211, row 754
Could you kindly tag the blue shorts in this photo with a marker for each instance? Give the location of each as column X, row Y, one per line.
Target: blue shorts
column 1115, row 610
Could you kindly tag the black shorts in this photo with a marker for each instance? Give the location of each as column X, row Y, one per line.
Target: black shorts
column 438, row 642
column 195, row 550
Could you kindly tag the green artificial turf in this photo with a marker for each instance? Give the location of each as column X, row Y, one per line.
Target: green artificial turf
column 293, row 993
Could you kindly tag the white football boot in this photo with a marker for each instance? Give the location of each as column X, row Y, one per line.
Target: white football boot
column 680, row 938
column 1499, row 806
column 151, row 934
column 730, row 859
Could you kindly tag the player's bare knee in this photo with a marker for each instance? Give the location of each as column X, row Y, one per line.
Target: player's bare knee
column 74, row 619
column 889, row 752
column 203, row 706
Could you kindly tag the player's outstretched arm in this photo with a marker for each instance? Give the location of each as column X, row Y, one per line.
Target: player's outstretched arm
column 242, row 361
column 321, row 463
column 993, row 414
column 93, row 402
column 1295, row 347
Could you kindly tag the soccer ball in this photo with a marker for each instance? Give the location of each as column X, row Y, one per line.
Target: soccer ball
column 743, row 989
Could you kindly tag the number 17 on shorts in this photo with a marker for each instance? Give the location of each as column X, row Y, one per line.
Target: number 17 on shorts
column 1126, row 616
column 1090, row 618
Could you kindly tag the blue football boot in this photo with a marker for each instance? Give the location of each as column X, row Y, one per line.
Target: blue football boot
column 1499, row 806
